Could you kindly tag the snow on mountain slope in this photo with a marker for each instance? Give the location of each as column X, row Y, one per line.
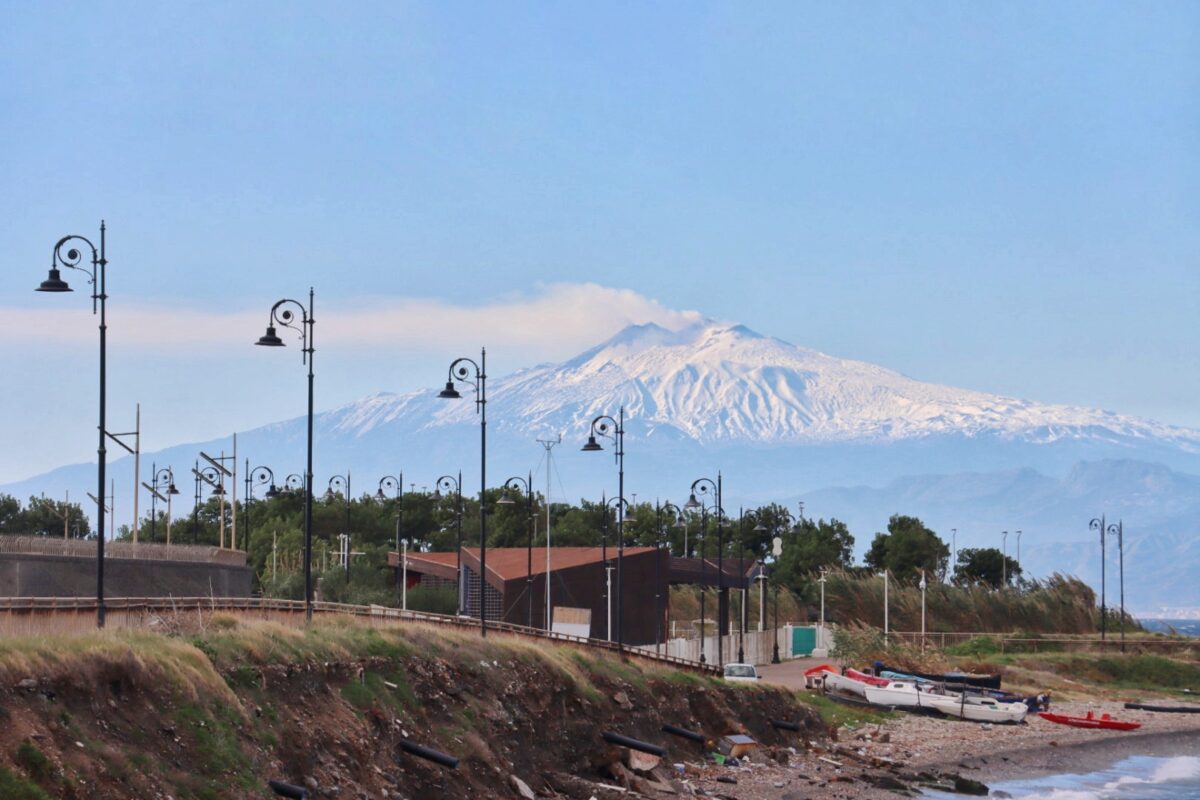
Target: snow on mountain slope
column 725, row 384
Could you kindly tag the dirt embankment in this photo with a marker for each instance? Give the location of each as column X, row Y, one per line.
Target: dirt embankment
column 214, row 714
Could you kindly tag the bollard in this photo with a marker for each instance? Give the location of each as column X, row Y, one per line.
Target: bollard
column 684, row 733
column 428, row 754
column 785, row 725
column 633, row 744
column 287, row 790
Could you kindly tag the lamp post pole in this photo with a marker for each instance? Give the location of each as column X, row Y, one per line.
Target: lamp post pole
column 605, row 425
column 1004, row 559
column 342, row 484
column 1118, row 530
column 777, row 551
column 953, row 550
column 1100, row 524
column 662, row 537
column 459, row 371
column 397, row 483
column 922, row 585
column 526, row 485
column 73, row 258
column 706, row 486
column 449, row 482
column 263, row 476
column 282, row 314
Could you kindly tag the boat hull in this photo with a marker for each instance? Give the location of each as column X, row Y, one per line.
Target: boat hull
column 1095, row 723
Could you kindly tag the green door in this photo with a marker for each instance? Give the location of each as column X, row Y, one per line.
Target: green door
column 804, row 640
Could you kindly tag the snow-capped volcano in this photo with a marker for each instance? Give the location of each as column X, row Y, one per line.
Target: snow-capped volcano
column 725, row 384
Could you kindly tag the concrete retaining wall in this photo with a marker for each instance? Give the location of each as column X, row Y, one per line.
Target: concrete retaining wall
column 33, row 575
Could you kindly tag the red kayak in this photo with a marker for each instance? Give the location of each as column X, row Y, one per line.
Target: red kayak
column 1103, row 721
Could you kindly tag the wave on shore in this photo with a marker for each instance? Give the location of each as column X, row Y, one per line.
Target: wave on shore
column 1134, row 778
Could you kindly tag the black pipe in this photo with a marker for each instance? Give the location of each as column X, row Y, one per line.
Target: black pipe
column 287, row 790
column 429, row 755
column 684, row 733
column 633, row 744
column 785, row 725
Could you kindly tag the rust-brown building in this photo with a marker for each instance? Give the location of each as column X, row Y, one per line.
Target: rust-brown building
column 515, row 588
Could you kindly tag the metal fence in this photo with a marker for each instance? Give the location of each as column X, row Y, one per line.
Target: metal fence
column 79, row 548
column 1023, row 643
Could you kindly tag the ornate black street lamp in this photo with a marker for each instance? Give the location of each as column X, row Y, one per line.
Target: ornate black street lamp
column 341, row 484
column 620, row 504
column 1100, row 524
column 163, row 483
column 1118, row 530
column 461, row 371
column 526, row 485
column 262, row 476
column 794, row 525
column 216, row 480
column 604, row 425
column 706, row 486
column 293, row 483
column 659, row 511
column 397, row 483
column 449, row 482
column 282, row 315
column 73, row 258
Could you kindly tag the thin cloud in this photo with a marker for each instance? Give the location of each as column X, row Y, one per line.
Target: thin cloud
column 552, row 319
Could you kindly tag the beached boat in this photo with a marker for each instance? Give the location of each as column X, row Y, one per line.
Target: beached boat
column 840, row 683
column 898, row 694
column 1164, row 709
column 970, row 679
column 862, row 677
column 976, row 709
column 1103, row 722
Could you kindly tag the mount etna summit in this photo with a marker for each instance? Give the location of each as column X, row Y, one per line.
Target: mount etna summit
column 782, row 422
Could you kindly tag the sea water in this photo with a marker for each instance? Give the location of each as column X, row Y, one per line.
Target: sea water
column 1134, row 778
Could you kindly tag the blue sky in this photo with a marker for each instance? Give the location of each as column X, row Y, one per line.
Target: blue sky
column 996, row 196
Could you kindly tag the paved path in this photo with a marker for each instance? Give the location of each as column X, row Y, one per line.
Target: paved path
column 790, row 673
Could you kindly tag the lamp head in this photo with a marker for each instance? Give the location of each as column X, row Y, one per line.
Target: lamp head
column 54, row 283
column 171, row 489
column 505, row 500
column 437, row 494
column 379, row 495
column 592, row 446
column 759, row 528
column 692, row 502
column 218, row 490
column 329, row 493
column 270, row 339
column 449, row 393
column 272, row 491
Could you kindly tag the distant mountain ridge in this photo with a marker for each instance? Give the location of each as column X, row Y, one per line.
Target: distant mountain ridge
column 855, row 440
column 722, row 384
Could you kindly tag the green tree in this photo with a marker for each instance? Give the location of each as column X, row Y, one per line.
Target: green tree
column 986, row 565
column 10, row 513
column 907, row 548
column 812, row 546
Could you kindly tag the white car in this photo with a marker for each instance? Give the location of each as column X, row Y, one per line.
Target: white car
column 745, row 673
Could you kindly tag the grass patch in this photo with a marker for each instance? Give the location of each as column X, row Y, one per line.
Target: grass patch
column 836, row 714
column 13, row 787
column 34, row 761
